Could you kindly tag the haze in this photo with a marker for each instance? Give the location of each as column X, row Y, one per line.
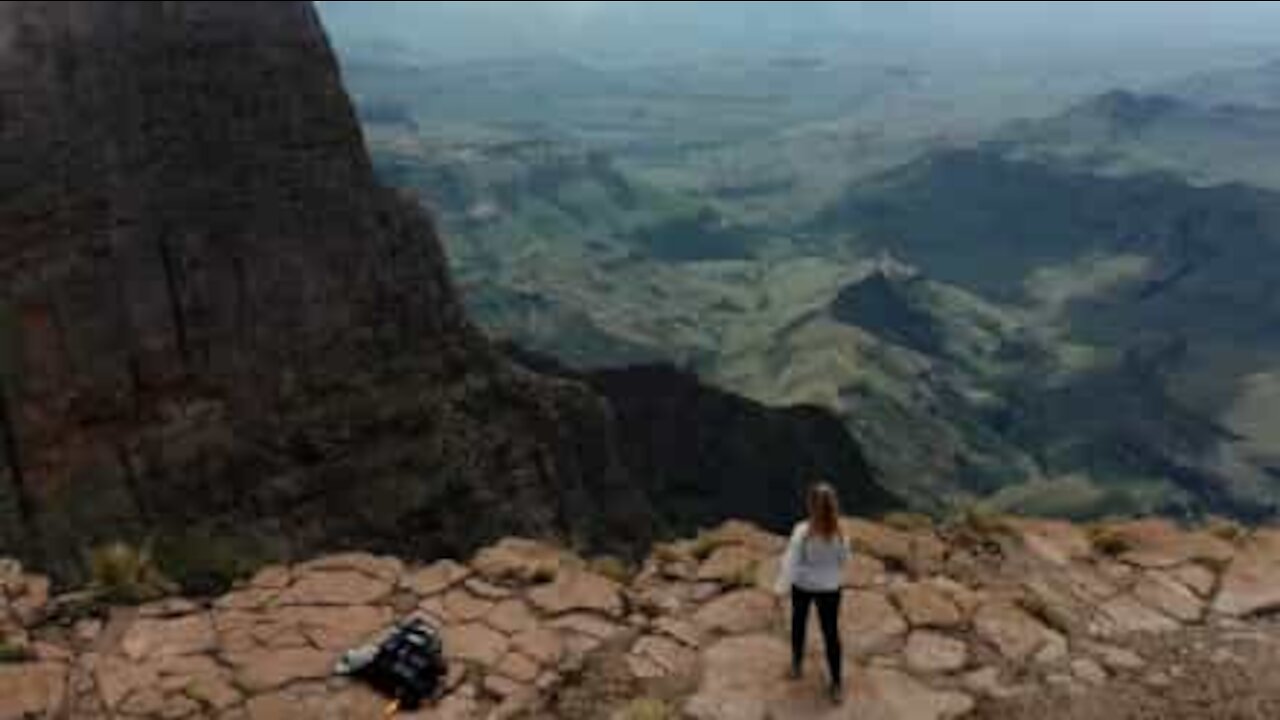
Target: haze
column 627, row 32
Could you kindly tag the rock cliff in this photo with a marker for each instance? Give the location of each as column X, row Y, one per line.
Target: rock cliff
column 219, row 333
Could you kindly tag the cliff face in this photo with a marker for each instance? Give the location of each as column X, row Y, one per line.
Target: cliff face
column 218, row 332
column 213, row 316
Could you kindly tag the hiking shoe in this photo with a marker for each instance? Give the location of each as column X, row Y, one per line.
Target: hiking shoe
column 837, row 693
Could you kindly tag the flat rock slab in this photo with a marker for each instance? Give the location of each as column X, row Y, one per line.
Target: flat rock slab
column 1158, row 544
column 1250, row 585
column 925, row 606
column 31, row 689
column 869, row 623
column 436, row 578
column 336, row 587
column 931, row 652
column 263, row 670
column 1015, row 633
column 170, row 637
column 1055, row 541
column 738, row 613
column 731, row 564
column 578, row 590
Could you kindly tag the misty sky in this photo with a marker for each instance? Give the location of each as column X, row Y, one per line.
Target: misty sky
column 654, row 31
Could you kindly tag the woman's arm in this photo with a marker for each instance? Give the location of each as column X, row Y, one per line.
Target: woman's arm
column 787, row 568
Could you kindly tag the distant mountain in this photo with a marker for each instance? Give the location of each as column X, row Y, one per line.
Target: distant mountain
column 1125, row 133
column 1257, row 85
column 1154, row 302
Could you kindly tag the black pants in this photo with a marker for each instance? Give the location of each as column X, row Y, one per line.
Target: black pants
column 828, row 617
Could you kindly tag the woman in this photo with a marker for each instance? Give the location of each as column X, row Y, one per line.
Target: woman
column 813, row 571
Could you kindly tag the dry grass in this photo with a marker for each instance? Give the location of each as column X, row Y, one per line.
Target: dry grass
column 612, row 567
column 1108, row 541
column 744, row 578
column 1226, row 529
column 908, row 521
column 667, row 553
column 648, row 709
column 123, row 573
column 705, row 544
column 14, row 653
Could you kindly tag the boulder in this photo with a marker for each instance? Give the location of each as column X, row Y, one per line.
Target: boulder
column 385, row 569
column 1124, row 615
column 241, row 631
column 925, row 606
column 518, row 560
column 165, row 638
column 1157, row 543
column 310, row 702
column 484, row 589
column 655, row 656
column 679, row 630
column 864, row 572
column 730, row 564
column 333, row 627
column 460, row 606
column 745, row 534
column 258, row 671
column 586, row 624
column 271, row 577
column 740, row 676
column 1250, row 585
column 1197, row 578
column 476, row 643
column 518, row 667
column 986, row 681
column 578, row 590
column 32, row 690
column 1015, row 633
column 512, row 617
column 1054, row 651
column 1161, row 592
column 335, row 587
column 168, row 608
column 879, row 541
column 1088, row 671
column 905, row 698
column 1116, row 659
column 869, row 623
column 435, row 578
column 543, row 645
column 738, row 613
column 932, row 652
column 29, row 605
column 1055, row 541
column 247, row 599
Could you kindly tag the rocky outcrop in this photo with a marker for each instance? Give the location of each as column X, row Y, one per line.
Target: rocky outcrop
column 977, row 635
column 217, row 330
column 702, row 454
column 217, row 324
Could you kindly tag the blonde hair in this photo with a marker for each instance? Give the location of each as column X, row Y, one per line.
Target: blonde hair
column 824, row 511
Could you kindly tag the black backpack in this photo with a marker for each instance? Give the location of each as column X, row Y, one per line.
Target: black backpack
column 409, row 665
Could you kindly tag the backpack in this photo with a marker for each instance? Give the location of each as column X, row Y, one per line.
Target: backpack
column 408, row 666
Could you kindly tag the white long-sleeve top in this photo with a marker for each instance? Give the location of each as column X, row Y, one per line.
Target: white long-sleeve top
column 812, row 563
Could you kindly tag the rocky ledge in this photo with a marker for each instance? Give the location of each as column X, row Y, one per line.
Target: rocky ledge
column 986, row 617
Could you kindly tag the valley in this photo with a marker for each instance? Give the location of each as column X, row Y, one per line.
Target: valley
column 1011, row 295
